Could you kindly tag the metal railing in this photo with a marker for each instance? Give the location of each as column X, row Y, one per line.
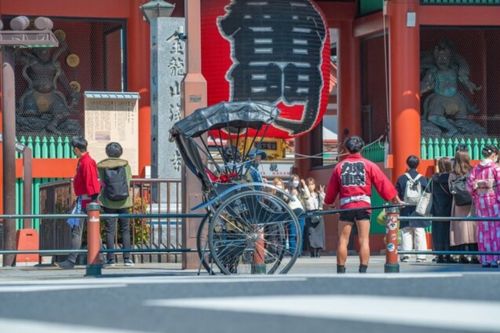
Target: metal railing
column 392, row 230
column 93, row 218
column 155, row 224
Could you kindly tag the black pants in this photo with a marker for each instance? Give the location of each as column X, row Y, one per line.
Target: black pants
column 76, row 240
column 110, row 228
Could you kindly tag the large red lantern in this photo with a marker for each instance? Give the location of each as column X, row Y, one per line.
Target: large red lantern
column 275, row 51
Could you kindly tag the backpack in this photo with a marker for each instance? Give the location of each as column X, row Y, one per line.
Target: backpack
column 115, row 183
column 458, row 188
column 413, row 190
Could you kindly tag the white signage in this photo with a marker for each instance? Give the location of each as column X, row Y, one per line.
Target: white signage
column 113, row 117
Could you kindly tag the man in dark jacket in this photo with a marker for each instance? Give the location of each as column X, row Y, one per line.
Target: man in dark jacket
column 115, row 203
column 408, row 183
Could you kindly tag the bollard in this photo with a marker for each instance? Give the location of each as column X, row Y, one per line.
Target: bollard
column 259, row 257
column 391, row 240
column 93, row 239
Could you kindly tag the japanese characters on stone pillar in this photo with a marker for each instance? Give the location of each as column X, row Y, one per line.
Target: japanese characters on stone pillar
column 167, row 71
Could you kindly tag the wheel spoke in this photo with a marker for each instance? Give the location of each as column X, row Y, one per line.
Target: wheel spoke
column 245, row 220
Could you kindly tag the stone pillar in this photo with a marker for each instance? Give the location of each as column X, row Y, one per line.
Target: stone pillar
column 167, row 72
column 194, row 96
column 405, row 83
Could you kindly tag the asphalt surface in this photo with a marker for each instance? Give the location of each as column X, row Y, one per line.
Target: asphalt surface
column 162, row 298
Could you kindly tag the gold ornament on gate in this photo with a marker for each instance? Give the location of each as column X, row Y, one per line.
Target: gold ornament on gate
column 73, row 60
column 60, row 34
column 75, row 85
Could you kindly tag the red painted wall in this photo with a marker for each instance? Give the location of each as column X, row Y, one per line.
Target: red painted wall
column 373, row 85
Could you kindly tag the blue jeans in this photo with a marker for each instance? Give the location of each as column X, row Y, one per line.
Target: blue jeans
column 292, row 233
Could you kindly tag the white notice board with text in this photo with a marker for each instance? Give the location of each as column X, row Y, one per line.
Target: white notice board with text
column 113, row 117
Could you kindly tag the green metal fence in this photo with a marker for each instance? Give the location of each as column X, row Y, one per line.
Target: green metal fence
column 434, row 148
column 375, row 152
column 42, row 147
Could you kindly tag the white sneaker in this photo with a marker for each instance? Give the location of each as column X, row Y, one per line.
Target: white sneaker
column 128, row 262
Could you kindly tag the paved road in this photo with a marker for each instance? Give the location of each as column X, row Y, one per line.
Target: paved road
column 427, row 297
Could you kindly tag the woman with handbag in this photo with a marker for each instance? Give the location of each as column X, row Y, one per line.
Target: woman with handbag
column 441, row 206
column 463, row 234
column 483, row 182
column 315, row 227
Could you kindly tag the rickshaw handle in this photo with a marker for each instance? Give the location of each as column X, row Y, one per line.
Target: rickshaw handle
column 238, row 187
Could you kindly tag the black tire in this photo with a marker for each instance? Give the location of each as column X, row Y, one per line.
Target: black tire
column 202, row 246
column 248, row 234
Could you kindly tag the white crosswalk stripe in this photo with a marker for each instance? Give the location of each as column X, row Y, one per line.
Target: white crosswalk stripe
column 420, row 312
column 28, row 326
column 36, row 288
column 158, row 280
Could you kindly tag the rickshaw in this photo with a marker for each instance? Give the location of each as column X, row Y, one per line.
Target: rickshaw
column 249, row 227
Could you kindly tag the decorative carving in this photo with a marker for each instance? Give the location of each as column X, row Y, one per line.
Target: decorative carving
column 446, row 110
column 43, row 107
column 73, row 60
column 27, row 38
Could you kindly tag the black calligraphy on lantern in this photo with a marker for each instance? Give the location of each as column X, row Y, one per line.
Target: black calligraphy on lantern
column 276, row 49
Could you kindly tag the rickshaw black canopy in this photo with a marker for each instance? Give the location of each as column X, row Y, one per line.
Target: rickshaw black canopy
column 226, row 115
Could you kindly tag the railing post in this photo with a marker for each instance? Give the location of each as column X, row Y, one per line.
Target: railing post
column 450, row 151
column 391, row 240
column 423, row 149
column 475, row 149
column 437, row 150
column 93, row 239
column 430, row 149
column 443, row 150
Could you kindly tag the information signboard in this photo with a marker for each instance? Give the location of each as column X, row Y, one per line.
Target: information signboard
column 113, row 117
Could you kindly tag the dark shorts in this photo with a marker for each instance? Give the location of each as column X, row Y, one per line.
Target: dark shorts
column 354, row 215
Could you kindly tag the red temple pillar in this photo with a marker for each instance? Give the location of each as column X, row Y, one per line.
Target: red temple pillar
column 349, row 95
column 194, row 97
column 138, row 69
column 404, row 40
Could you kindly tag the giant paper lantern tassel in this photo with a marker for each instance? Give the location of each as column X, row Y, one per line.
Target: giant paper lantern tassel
column 275, row 51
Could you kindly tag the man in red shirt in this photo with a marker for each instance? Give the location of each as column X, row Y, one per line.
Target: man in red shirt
column 352, row 180
column 87, row 187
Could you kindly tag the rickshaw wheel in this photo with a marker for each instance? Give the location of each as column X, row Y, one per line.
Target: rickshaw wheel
column 202, row 248
column 254, row 232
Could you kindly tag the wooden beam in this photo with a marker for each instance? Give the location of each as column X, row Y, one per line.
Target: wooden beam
column 459, row 15
column 49, row 167
column 368, row 25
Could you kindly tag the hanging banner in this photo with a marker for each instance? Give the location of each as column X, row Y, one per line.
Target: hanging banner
column 275, row 51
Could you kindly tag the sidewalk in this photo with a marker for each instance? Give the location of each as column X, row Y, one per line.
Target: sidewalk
column 304, row 265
